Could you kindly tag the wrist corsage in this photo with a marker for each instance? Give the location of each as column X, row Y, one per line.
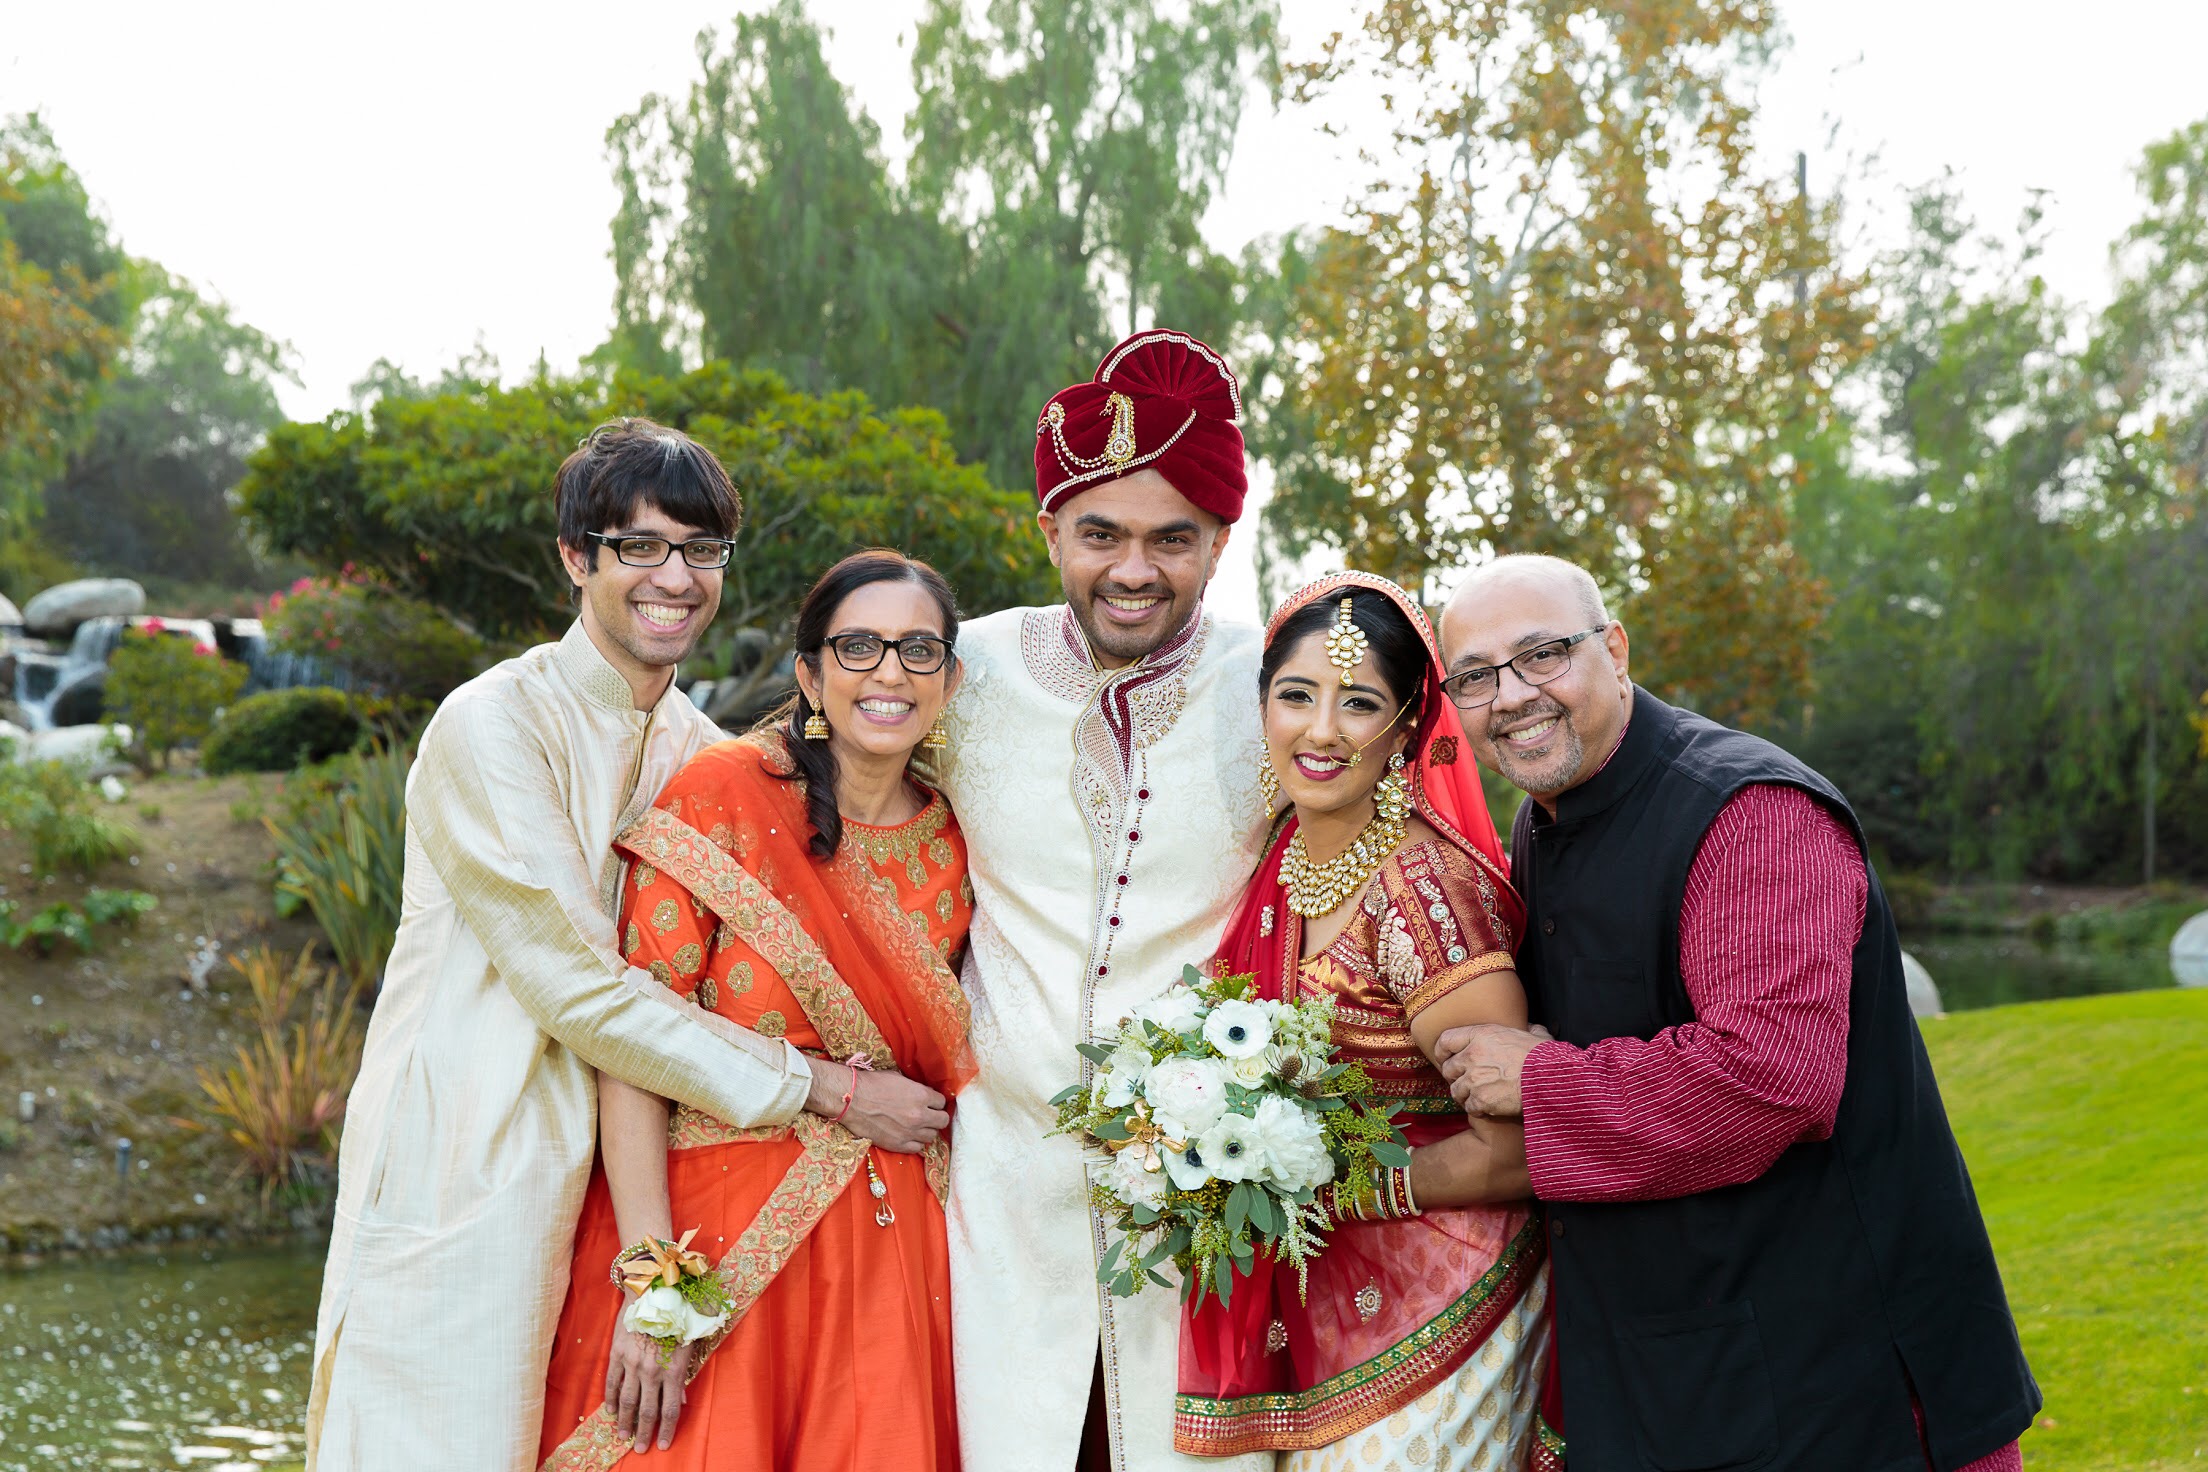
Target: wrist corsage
column 674, row 1297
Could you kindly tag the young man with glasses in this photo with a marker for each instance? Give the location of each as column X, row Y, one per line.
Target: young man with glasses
column 470, row 1131
column 1765, row 1246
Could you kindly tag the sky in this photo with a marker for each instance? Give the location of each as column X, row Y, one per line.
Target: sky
column 410, row 180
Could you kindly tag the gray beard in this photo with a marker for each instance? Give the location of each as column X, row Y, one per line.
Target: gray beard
column 1573, row 753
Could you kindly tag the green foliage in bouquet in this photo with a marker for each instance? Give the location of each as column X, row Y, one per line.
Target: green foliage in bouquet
column 1213, row 1120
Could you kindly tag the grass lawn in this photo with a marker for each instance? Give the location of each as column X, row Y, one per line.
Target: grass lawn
column 2085, row 1123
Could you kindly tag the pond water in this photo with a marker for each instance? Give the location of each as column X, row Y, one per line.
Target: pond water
column 1974, row 971
column 198, row 1361
column 189, row 1360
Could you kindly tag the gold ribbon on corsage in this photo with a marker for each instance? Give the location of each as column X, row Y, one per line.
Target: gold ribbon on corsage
column 655, row 1261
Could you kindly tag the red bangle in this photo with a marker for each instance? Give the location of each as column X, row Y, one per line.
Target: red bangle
column 849, row 1089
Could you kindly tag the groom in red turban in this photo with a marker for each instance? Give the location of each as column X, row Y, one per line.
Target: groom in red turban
column 1098, row 759
column 1140, row 477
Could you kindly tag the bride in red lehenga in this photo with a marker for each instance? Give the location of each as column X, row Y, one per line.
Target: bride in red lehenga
column 1423, row 1339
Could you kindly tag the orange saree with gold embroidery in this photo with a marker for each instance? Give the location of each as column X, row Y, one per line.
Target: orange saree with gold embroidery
column 839, row 1353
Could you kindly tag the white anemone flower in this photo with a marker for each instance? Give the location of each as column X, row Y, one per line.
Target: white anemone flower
column 1233, row 1149
column 1238, row 1029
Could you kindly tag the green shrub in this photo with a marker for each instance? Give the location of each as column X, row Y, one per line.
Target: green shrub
column 168, row 690
column 76, row 924
column 60, row 812
column 342, row 850
column 392, row 644
column 277, row 730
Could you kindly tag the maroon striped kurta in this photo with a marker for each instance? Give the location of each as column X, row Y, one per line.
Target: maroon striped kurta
column 1767, row 932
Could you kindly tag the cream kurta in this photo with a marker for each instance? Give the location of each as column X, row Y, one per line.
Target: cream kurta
column 1111, row 823
column 469, row 1135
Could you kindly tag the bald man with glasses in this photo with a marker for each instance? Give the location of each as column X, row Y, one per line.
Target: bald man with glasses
column 1765, row 1244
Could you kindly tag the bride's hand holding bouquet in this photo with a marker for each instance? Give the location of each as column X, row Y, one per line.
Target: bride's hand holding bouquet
column 1219, row 1128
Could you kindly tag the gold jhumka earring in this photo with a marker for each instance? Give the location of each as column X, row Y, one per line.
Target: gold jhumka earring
column 937, row 738
column 816, row 726
column 1391, row 796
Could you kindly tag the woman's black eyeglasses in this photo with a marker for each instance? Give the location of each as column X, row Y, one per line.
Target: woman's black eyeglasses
column 705, row 553
column 920, row 654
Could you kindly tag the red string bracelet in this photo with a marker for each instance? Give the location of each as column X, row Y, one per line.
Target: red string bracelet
column 848, row 1090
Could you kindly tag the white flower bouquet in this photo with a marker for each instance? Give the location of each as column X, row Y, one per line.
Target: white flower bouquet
column 1213, row 1121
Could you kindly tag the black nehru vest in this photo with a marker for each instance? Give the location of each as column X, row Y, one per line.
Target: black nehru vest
column 1784, row 1322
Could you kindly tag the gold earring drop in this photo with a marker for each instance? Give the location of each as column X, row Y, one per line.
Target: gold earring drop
column 816, row 726
column 1268, row 780
column 1391, row 797
column 937, row 738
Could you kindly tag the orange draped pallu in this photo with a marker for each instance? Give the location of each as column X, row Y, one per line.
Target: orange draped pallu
column 1421, row 1341
column 839, row 1352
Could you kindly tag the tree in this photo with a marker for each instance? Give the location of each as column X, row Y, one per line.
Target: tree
column 65, row 297
column 448, row 498
column 1569, row 316
column 2002, row 653
column 147, row 492
column 1063, row 154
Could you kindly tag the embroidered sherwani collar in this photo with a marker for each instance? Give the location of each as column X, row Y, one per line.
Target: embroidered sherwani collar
column 1137, row 703
column 580, row 661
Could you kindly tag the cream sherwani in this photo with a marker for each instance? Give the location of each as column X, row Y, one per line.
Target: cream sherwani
column 469, row 1135
column 1111, row 820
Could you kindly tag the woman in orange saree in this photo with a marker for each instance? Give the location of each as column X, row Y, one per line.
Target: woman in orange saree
column 1421, row 1336
column 837, row 1353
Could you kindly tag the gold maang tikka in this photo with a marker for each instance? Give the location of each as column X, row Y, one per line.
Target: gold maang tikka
column 1346, row 643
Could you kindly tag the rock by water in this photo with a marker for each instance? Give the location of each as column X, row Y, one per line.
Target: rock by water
column 9, row 616
column 55, row 613
column 1924, row 997
column 2189, row 951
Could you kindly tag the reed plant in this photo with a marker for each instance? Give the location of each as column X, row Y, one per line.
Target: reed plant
column 282, row 1102
column 342, row 853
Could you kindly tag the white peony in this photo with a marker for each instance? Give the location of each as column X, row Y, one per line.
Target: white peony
column 1233, row 1149
column 1133, row 1182
column 663, row 1313
column 1187, row 1095
column 1294, row 1144
column 1238, row 1029
column 1176, row 1009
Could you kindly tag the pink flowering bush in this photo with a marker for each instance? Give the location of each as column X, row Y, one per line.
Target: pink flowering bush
column 168, row 690
column 386, row 641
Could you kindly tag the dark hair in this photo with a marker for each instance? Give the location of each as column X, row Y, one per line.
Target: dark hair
column 625, row 463
column 815, row 762
column 1394, row 645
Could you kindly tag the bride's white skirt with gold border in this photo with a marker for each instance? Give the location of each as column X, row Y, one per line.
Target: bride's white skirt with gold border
column 1480, row 1419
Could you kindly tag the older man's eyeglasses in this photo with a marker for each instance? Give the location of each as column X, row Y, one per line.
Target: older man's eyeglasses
column 704, row 553
column 920, row 654
column 1473, row 688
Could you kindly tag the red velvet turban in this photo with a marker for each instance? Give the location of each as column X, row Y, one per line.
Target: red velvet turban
column 1160, row 400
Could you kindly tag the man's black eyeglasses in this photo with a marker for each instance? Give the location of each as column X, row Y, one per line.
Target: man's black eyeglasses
column 920, row 654
column 1473, row 688
column 705, row 553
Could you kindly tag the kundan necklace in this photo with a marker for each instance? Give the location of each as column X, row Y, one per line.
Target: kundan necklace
column 1321, row 889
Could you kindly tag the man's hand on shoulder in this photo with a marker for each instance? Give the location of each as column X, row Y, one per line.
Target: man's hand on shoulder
column 1483, row 1064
